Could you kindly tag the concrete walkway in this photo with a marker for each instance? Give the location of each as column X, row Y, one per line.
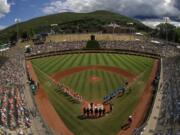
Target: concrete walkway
column 153, row 119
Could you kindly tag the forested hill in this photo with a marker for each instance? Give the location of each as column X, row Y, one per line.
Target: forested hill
column 69, row 22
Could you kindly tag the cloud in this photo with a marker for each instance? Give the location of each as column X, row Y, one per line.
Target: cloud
column 2, row 27
column 4, row 7
column 154, row 22
column 127, row 7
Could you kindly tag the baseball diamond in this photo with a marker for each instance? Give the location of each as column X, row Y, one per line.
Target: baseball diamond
column 107, row 72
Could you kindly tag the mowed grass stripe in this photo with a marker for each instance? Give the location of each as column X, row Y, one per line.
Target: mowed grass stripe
column 82, row 82
column 79, row 75
column 77, row 82
column 105, row 85
column 73, row 81
column 87, row 75
column 59, row 62
column 85, row 60
column 93, row 59
column 101, row 91
column 100, row 59
column 86, row 91
column 122, row 63
column 77, row 62
column 125, row 65
column 49, row 62
column 110, row 83
column 56, row 61
column 81, row 60
column 113, row 81
column 144, row 62
column 67, row 111
column 120, row 79
column 43, row 61
column 108, row 60
column 136, row 63
column 116, row 62
column 69, row 62
column 66, row 81
column 132, row 65
column 91, row 87
column 97, row 59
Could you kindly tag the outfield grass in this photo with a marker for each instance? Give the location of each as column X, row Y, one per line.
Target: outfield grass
column 133, row 64
column 69, row 111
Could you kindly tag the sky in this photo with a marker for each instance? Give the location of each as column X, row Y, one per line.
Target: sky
column 27, row 9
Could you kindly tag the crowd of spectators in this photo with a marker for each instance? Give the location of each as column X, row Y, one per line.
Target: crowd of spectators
column 169, row 120
column 139, row 46
column 14, row 114
column 134, row 46
column 56, row 46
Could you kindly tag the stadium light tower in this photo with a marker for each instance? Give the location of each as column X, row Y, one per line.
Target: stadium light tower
column 130, row 24
column 166, row 21
column 17, row 21
column 52, row 27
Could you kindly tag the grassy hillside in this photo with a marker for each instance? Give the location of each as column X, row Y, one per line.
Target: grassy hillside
column 69, row 22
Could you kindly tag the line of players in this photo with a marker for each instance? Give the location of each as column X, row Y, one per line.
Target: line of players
column 94, row 111
column 71, row 92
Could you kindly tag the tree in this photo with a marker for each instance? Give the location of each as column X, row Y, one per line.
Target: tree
column 166, row 31
column 13, row 36
column 25, row 35
column 177, row 35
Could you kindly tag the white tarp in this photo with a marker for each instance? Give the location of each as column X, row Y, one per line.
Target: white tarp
column 139, row 34
column 4, row 49
column 27, row 46
column 156, row 42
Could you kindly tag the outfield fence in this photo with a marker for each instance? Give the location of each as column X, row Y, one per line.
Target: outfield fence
column 115, row 51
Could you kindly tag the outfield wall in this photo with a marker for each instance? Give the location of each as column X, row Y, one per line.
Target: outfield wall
column 115, row 51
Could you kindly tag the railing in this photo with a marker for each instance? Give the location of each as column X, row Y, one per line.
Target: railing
column 117, row 51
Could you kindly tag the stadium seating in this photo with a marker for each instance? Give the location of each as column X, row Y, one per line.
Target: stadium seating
column 14, row 113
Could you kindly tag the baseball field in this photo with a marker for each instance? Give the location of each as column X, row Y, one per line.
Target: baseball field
column 94, row 75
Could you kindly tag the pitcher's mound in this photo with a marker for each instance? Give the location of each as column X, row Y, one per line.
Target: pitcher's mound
column 94, row 79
